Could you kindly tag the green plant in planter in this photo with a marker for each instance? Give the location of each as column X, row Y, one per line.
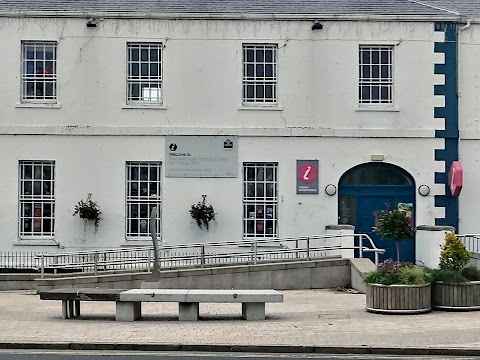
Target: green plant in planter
column 454, row 258
column 392, row 272
column 395, row 225
column 88, row 211
column 202, row 213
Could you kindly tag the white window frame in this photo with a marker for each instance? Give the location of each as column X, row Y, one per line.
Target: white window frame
column 34, row 84
column 254, row 74
column 260, row 206
column 150, row 87
column 36, row 192
column 135, row 199
column 376, row 82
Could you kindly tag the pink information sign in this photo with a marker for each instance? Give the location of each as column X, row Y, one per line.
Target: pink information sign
column 455, row 178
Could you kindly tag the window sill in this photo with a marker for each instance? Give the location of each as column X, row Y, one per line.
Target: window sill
column 377, row 108
column 261, row 107
column 139, row 242
column 144, row 107
column 36, row 242
column 38, row 106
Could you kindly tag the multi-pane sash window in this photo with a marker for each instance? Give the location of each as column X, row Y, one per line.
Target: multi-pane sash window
column 144, row 73
column 39, row 71
column 143, row 193
column 260, row 73
column 376, row 74
column 37, row 199
column 260, row 200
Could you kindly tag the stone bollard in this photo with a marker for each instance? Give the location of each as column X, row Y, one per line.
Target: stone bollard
column 428, row 242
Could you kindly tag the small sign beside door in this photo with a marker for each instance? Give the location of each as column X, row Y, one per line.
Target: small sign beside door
column 307, row 177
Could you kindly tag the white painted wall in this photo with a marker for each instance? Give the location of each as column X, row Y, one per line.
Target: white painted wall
column 93, row 133
column 469, row 126
column 97, row 165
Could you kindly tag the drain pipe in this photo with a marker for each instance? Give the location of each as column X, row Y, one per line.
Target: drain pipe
column 469, row 22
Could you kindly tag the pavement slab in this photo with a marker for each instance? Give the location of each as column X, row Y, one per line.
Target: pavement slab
column 312, row 318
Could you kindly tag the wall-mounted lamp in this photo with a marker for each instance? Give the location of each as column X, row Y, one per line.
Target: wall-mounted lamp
column 317, row 26
column 330, row 189
column 424, row 190
column 91, row 23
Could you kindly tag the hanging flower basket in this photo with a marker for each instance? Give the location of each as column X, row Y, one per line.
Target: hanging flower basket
column 88, row 211
column 202, row 213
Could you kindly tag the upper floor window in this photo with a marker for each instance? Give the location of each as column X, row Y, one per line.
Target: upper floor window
column 37, row 199
column 39, row 71
column 260, row 73
column 144, row 73
column 375, row 75
column 143, row 193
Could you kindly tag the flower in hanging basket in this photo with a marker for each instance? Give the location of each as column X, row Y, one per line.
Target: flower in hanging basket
column 202, row 213
column 88, row 211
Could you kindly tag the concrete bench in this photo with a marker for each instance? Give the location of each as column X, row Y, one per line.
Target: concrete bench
column 129, row 302
column 71, row 298
column 253, row 301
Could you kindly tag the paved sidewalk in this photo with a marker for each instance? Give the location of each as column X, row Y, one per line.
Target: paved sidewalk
column 309, row 321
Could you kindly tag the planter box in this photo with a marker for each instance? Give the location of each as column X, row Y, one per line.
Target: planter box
column 462, row 296
column 398, row 299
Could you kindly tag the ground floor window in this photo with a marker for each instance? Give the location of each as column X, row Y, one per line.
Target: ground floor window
column 36, row 199
column 260, row 200
column 142, row 194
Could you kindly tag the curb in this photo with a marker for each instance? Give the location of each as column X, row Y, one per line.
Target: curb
column 259, row 349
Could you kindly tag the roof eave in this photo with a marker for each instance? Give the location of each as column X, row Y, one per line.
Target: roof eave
column 226, row 16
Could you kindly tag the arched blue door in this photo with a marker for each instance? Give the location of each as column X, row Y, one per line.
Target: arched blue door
column 372, row 187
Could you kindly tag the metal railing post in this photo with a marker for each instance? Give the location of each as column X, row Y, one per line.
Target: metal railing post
column 149, row 264
column 42, row 266
column 297, row 249
column 202, row 255
column 255, row 251
column 308, row 248
column 95, row 263
column 360, row 245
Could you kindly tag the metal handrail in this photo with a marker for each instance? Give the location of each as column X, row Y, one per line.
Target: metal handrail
column 252, row 249
column 471, row 241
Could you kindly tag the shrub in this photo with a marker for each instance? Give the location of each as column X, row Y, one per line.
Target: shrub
column 471, row 273
column 454, row 254
column 413, row 275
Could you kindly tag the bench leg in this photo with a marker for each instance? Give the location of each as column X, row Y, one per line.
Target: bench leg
column 128, row 311
column 64, row 309
column 76, row 311
column 253, row 311
column 188, row 311
column 70, row 309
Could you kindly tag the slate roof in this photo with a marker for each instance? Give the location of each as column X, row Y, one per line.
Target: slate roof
column 464, row 7
column 259, row 7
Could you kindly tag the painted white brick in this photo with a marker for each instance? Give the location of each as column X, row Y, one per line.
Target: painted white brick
column 439, row 36
column 439, row 212
column 439, row 58
column 439, row 101
column 437, row 189
column 439, row 79
column 440, row 125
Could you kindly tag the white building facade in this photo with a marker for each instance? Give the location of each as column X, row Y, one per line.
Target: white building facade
column 94, row 111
